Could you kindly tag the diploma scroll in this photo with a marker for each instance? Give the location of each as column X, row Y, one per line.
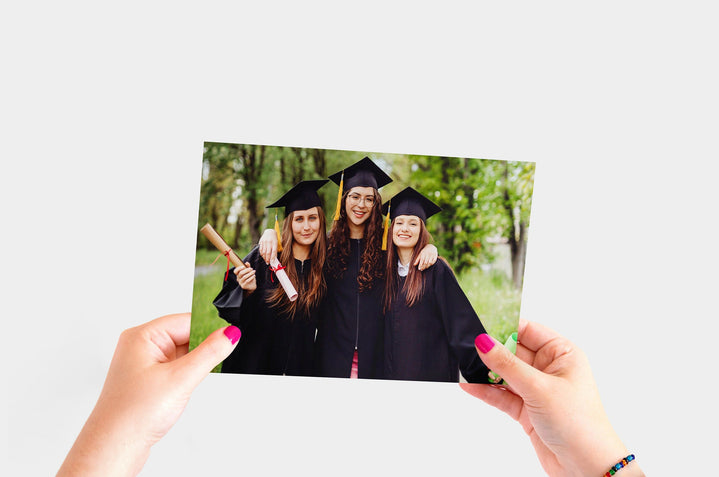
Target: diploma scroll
column 283, row 278
column 221, row 245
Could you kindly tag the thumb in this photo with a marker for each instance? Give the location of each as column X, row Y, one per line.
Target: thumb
column 520, row 376
column 198, row 363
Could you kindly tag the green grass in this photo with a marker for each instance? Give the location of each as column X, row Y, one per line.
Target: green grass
column 492, row 295
column 205, row 289
column 495, row 300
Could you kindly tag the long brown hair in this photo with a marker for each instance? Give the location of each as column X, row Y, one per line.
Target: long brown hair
column 312, row 293
column 338, row 245
column 414, row 283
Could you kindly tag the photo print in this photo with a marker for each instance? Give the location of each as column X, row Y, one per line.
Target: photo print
column 357, row 264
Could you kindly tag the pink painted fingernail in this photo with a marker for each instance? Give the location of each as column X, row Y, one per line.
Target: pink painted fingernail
column 484, row 343
column 233, row 333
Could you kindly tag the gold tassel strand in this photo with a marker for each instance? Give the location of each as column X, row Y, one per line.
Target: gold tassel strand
column 339, row 197
column 279, row 237
column 386, row 227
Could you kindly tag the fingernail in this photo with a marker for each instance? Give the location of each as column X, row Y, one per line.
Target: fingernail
column 484, row 343
column 233, row 333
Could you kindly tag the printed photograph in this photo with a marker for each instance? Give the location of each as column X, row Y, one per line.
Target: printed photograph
column 358, row 264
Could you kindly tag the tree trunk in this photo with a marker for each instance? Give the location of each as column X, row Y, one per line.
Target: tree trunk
column 518, row 259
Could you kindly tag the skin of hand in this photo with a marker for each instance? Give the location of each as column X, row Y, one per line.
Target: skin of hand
column 246, row 278
column 150, row 380
column 427, row 257
column 268, row 245
column 551, row 392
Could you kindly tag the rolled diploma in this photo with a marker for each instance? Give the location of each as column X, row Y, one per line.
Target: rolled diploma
column 284, row 280
column 220, row 244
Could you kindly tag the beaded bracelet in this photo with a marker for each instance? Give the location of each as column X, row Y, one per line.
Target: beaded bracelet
column 613, row 469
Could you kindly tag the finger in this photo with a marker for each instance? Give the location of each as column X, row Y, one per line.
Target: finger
column 198, row 363
column 182, row 350
column 525, row 354
column 549, row 358
column 158, row 339
column 533, row 335
column 522, row 377
column 496, row 396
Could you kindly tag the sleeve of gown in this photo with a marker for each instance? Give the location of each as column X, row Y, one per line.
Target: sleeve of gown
column 232, row 303
column 461, row 323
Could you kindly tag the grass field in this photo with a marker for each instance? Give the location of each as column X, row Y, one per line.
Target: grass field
column 492, row 295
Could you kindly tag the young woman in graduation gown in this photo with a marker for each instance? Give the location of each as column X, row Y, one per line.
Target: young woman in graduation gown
column 430, row 326
column 277, row 334
column 350, row 335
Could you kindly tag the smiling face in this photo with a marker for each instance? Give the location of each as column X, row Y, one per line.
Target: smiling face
column 305, row 226
column 406, row 231
column 358, row 207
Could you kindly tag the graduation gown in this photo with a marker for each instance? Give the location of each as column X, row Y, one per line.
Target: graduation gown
column 271, row 342
column 351, row 320
column 434, row 339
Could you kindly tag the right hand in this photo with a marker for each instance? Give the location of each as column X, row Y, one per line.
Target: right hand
column 268, row 245
column 552, row 394
column 246, row 277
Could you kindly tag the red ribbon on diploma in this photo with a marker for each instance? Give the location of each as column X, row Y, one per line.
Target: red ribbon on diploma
column 275, row 270
column 226, row 253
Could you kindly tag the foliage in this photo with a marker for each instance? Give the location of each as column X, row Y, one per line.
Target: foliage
column 483, row 201
column 495, row 300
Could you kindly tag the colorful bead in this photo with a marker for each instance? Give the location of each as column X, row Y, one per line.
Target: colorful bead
column 619, row 465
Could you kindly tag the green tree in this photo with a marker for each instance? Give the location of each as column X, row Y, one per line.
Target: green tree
column 482, row 200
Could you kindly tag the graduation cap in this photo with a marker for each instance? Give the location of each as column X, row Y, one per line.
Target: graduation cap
column 407, row 202
column 363, row 173
column 301, row 197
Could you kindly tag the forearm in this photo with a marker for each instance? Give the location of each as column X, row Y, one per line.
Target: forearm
column 105, row 447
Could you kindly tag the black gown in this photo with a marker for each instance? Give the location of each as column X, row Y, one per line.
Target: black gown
column 271, row 342
column 348, row 320
column 434, row 339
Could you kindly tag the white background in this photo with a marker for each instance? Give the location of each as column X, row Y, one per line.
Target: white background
column 104, row 112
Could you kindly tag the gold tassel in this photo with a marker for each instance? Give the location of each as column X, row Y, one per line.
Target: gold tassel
column 386, row 227
column 339, row 197
column 279, row 237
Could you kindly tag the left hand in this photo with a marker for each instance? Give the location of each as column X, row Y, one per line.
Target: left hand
column 246, row 278
column 427, row 257
column 149, row 382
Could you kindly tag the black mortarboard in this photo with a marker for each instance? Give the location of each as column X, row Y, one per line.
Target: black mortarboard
column 363, row 173
column 410, row 202
column 301, row 197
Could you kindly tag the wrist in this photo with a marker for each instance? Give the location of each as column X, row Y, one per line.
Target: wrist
column 108, row 447
column 606, row 455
